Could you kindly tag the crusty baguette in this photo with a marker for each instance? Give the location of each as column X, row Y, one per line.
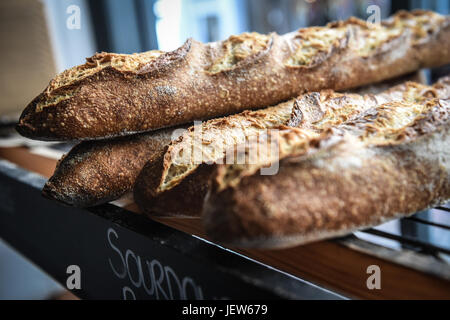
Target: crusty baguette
column 112, row 95
column 391, row 162
column 95, row 172
column 95, row 178
column 175, row 183
column 161, row 177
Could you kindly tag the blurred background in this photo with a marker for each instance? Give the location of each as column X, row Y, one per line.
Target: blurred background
column 43, row 37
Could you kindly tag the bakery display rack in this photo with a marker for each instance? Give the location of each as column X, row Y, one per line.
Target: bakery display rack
column 121, row 254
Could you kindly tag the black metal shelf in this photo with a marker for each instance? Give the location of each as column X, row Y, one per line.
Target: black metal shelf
column 124, row 255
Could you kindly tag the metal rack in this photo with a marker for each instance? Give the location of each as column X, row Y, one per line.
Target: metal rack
column 421, row 241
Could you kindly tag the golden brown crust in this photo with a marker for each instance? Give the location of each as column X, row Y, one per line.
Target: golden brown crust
column 115, row 95
column 183, row 200
column 209, row 142
column 171, row 185
column 304, row 202
column 390, row 162
column 95, row 172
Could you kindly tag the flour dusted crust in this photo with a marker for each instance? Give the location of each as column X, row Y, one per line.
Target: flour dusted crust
column 215, row 137
column 172, row 184
column 95, row 172
column 175, row 183
column 235, row 51
column 391, row 161
column 100, row 171
column 158, row 190
column 113, row 95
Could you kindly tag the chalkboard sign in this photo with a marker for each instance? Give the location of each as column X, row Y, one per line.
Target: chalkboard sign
column 110, row 253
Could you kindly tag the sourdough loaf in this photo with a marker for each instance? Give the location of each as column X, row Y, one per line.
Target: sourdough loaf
column 176, row 182
column 95, row 172
column 170, row 184
column 390, row 162
column 115, row 94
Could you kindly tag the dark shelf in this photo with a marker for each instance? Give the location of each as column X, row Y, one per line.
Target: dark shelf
column 124, row 255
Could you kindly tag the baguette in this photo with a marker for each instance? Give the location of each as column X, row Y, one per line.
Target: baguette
column 115, row 94
column 391, row 162
column 96, row 172
column 175, row 183
column 171, row 184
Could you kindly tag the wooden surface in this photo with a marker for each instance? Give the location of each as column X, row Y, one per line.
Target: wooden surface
column 325, row 263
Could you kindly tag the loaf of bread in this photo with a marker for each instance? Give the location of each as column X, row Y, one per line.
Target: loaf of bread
column 392, row 161
column 95, row 172
column 115, row 94
column 171, row 184
column 176, row 182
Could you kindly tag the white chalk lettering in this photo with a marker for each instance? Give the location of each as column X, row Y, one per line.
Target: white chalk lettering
column 157, row 280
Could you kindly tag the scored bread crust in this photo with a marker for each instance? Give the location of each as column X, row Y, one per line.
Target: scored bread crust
column 113, row 95
column 159, row 192
column 171, row 184
column 392, row 162
column 174, row 185
column 183, row 200
column 95, row 172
